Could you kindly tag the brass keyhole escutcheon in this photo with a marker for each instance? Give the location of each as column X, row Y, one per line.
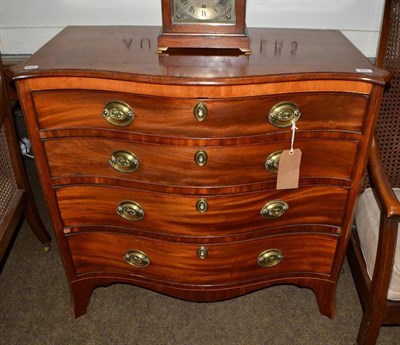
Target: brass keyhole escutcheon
column 202, row 252
column 130, row 210
column 284, row 114
column 137, row 258
column 124, row 161
column 201, row 158
column 118, row 113
column 274, row 209
column 272, row 162
column 270, row 257
column 202, row 205
column 200, row 111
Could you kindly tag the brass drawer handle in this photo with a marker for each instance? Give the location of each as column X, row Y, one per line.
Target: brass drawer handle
column 202, row 252
column 201, row 158
column 130, row 210
column 270, row 257
column 202, row 205
column 124, row 161
column 137, row 258
column 274, row 209
column 118, row 113
column 200, row 111
column 272, row 162
column 283, row 114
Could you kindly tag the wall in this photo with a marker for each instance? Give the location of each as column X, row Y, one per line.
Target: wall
column 27, row 24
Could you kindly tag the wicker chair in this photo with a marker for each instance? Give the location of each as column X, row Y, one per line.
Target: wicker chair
column 374, row 248
column 16, row 198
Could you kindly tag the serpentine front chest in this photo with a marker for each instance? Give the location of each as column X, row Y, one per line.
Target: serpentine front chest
column 160, row 170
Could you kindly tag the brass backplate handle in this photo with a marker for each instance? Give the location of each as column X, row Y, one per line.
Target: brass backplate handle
column 124, row 161
column 200, row 111
column 130, row 210
column 274, row 209
column 270, row 257
column 137, row 258
column 284, row 114
column 272, row 162
column 118, row 113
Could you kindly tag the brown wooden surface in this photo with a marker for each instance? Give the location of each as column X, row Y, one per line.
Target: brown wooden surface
column 225, row 264
column 173, row 214
column 173, row 116
column 237, row 42
column 171, row 165
column 128, row 53
column 84, row 68
column 81, row 290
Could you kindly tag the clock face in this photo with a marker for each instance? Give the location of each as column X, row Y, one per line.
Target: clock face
column 204, row 11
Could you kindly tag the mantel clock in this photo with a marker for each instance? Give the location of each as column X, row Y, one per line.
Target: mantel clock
column 204, row 24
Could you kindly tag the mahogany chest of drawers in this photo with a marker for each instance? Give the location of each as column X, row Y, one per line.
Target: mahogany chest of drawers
column 160, row 170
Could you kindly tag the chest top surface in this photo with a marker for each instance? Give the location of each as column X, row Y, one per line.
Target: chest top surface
column 129, row 53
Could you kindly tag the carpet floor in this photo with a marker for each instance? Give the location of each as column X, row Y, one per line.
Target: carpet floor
column 34, row 309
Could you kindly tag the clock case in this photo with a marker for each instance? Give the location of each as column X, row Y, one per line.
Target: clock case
column 203, row 34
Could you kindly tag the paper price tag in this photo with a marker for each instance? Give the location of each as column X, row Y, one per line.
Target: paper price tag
column 289, row 169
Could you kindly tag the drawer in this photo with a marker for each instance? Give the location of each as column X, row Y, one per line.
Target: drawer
column 224, row 263
column 89, row 206
column 176, row 165
column 174, row 117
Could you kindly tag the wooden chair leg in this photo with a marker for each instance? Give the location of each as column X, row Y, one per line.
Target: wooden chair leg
column 35, row 222
column 31, row 212
column 370, row 325
column 375, row 310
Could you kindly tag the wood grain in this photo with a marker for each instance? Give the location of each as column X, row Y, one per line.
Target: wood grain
column 63, row 100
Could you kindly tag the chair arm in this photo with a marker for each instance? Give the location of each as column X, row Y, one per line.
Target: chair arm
column 2, row 97
column 2, row 108
column 390, row 205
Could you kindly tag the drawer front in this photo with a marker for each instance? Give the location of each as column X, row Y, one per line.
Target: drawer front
column 220, row 263
column 182, row 215
column 175, row 117
column 176, row 165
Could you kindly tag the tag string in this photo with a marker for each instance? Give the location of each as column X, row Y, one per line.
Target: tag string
column 293, row 135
